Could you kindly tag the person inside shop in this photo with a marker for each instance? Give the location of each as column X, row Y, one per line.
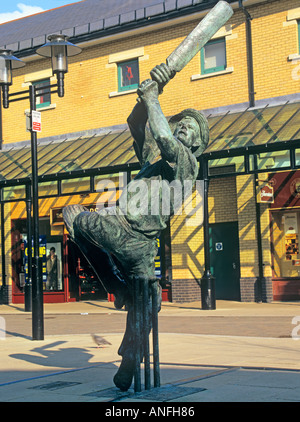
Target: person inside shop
column 52, row 270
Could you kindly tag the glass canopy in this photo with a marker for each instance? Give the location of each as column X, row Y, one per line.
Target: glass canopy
column 72, row 158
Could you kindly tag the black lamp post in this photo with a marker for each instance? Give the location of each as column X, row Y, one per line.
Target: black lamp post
column 58, row 48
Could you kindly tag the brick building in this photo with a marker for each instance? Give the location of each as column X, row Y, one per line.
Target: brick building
column 245, row 80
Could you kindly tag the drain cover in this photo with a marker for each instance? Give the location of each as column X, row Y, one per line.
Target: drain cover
column 54, row 385
column 168, row 392
column 113, row 393
column 165, row 393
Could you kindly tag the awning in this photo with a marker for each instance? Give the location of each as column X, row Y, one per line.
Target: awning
column 230, row 132
column 263, row 126
column 69, row 156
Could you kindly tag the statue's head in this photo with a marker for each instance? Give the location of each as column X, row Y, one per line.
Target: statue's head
column 191, row 128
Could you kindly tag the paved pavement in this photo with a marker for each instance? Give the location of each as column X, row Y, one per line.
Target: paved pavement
column 194, row 367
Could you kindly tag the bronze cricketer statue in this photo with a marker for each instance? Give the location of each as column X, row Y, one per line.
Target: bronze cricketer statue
column 120, row 241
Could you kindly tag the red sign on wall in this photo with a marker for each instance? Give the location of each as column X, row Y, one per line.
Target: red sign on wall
column 36, row 121
column 286, row 187
column 266, row 195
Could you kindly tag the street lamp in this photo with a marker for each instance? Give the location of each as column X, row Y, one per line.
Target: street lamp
column 58, row 48
column 8, row 62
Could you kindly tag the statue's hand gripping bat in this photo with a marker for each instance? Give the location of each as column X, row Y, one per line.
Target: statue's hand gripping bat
column 200, row 35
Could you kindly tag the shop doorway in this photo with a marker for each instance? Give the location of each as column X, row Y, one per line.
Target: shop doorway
column 83, row 283
column 225, row 260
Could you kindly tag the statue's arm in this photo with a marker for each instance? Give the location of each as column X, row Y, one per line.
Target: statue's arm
column 137, row 123
column 160, row 129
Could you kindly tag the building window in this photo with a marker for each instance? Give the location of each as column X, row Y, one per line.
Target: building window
column 128, row 75
column 213, row 56
column 285, row 240
column 43, row 100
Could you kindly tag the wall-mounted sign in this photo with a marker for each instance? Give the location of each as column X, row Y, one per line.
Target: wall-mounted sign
column 36, row 121
column 286, row 186
column 266, row 195
column 219, row 246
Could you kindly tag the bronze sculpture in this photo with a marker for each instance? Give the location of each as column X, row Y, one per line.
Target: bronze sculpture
column 120, row 241
column 120, row 244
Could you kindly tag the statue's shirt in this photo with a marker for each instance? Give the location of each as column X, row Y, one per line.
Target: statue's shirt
column 158, row 190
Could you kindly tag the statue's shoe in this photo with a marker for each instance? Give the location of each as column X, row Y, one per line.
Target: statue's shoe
column 69, row 214
column 124, row 376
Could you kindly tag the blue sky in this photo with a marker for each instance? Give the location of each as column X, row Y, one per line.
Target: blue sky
column 15, row 9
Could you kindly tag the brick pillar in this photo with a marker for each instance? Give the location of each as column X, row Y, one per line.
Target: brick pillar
column 248, row 242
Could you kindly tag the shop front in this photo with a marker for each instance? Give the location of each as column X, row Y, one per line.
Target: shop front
column 52, row 251
column 285, row 225
column 93, row 171
column 67, row 275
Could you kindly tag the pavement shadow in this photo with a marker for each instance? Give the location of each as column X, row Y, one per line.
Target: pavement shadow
column 51, row 356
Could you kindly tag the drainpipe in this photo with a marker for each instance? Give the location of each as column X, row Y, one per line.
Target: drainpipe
column 249, row 54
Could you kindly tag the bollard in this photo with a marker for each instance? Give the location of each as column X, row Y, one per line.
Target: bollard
column 141, row 305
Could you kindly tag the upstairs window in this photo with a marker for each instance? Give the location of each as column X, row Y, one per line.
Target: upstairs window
column 128, row 75
column 213, row 56
column 44, row 97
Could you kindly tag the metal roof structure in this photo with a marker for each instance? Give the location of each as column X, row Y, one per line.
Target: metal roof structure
column 254, row 127
column 91, row 19
column 245, row 134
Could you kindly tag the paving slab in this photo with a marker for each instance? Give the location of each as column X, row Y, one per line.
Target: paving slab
column 194, row 367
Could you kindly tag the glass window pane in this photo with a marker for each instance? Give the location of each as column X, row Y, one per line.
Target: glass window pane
column 285, row 243
column 43, row 98
column 128, row 74
column 14, row 192
column 47, row 188
column 215, row 55
column 270, row 160
column 80, row 184
column 297, row 157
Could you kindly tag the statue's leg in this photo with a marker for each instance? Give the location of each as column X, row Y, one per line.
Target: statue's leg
column 101, row 261
column 132, row 345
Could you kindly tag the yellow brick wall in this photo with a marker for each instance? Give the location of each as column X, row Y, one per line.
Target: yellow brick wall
column 247, row 226
column 90, row 80
column 247, row 229
column 222, row 200
column 187, row 241
column 274, row 39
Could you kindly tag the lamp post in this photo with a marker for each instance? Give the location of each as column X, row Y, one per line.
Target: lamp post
column 58, row 48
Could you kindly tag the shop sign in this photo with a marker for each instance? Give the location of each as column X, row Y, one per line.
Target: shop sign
column 286, row 187
column 266, row 195
column 42, row 254
column 157, row 260
column 56, row 215
column 219, row 246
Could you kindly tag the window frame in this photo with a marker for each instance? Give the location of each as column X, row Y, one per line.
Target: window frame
column 46, row 103
column 202, row 58
column 119, row 73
